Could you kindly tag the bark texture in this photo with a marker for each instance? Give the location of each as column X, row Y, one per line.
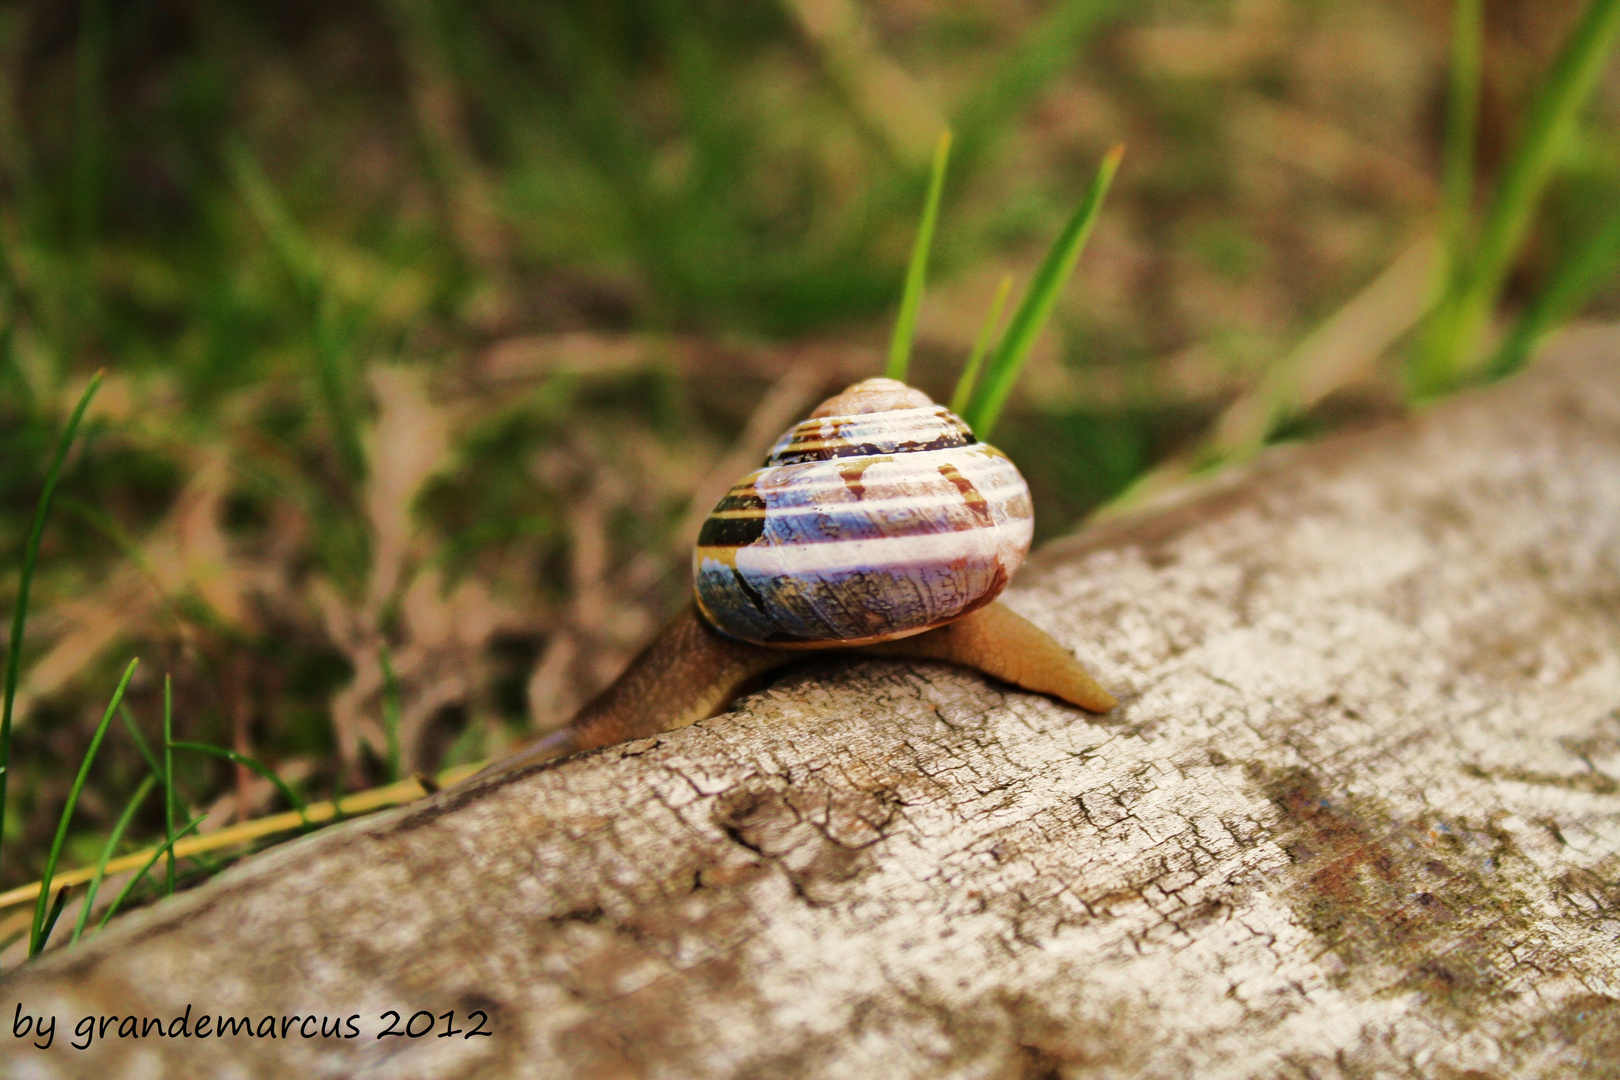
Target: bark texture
column 1358, row 814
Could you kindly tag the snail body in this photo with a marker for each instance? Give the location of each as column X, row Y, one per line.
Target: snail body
column 880, row 525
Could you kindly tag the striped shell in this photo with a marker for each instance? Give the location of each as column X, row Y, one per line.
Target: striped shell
column 879, row 517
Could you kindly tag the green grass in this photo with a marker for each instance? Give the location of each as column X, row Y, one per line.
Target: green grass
column 1594, row 261
column 987, row 402
column 1461, row 133
column 57, row 908
column 905, row 326
column 44, row 922
column 1450, row 351
column 107, row 850
column 236, row 757
column 19, row 614
column 1479, row 248
column 168, row 780
column 166, row 848
column 42, row 928
column 969, row 379
column 982, row 410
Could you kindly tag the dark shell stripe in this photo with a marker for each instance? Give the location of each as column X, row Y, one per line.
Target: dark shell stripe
column 732, row 532
column 917, row 494
column 871, row 435
column 863, row 527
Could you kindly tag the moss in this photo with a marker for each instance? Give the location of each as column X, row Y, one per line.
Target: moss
column 1420, row 904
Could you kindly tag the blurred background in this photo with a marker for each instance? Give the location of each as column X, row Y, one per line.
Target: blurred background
column 433, row 327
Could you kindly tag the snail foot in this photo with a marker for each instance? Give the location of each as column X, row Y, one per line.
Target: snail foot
column 999, row 642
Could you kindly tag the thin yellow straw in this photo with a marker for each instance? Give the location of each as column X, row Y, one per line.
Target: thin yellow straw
column 361, row 802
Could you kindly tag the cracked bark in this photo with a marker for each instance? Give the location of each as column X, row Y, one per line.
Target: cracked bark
column 1357, row 815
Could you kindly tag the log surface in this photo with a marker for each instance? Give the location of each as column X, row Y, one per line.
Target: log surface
column 1357, row 815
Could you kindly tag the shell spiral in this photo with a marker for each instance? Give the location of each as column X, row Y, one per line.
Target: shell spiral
column 879, row 517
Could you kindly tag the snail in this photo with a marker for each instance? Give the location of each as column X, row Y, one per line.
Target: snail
column 880, row 525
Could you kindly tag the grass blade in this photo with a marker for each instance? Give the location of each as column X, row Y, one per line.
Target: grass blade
column 236, row 757
column 56, row 913
column 168, row 775
column 140, row 740
column 36, row 940
column 130, row 809
column 1462, row 123
column 361, row 802
column 1036, row 307
column 19, row 615
column 146, row 868
column 1593, row 262
column 981, row 345
column 905, row 327
column 390, row 706
column 1446, row 353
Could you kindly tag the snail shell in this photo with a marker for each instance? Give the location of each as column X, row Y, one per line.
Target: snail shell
column 879, row 517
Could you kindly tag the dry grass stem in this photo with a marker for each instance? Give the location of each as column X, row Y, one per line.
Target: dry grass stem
column 363, row 802
column 1341, row 352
